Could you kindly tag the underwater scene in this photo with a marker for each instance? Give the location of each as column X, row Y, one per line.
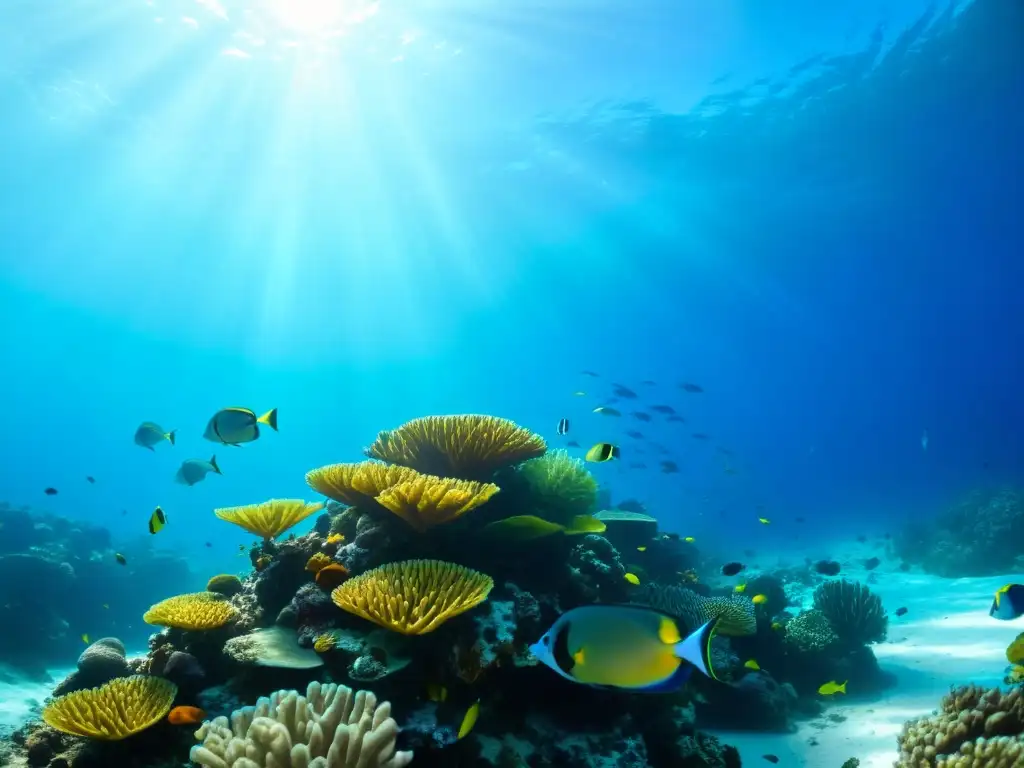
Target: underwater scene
column 480, row 384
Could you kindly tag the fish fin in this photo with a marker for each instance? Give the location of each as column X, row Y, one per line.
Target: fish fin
column 150, row 447
column 269, row 418
column 695, row 648
column 673, row 682
column 170, row 436
column 842, row 688
column 213, row 463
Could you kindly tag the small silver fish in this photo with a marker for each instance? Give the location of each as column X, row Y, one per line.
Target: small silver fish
column 149, row 434
column 234, row 426
column 192, row 471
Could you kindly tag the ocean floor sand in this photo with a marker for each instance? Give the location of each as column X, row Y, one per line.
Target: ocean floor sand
column 946, row 638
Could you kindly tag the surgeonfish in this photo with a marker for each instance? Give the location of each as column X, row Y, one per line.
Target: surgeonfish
column 563, row 427
column 1008, row 603
column 604, row 410
column 469, row 720
column 832, row 687
column 234, row 426
column 149, row 435
column 186, row 716
column 633, row 648
column 602, row 452
column 192, row 471
column 157, row 520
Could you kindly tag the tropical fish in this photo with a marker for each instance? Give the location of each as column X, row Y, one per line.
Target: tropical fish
column 590, row 373
column 264, row 560
column 90, row 479
column 764, row 521
column 579, row 393
column 827, row 567
column 633, row 579
column 871, row 563
column 335, row 538
column 573, row 444
column 688, row 539
column 669, row 467
column 778, row 625
column 1008, row 603
column 771, row 758
column 700, row 436
column 832, row 687
column 622, row 391
column 759, row 599
column 604, row 410
column 627, row 647
column 901, row 611
column 563, row 426
column 437, row 692
column 186, row 716
column 234, row 426
column 641, row 416
column 641, row 549
column 670, row 536
column 149, row 435
column 676, row 417
column 731, row 569
column 599, row 452
column 469, row 720
column 157, row 520
column 85, row 638
column 121, row 559
column 648, row 383
column 740, row 588
column 688, row 387
column 663, row 409
column 752, row 664
column 192, row 471
column 50, row 491
column 635, row 434
column 530, row 527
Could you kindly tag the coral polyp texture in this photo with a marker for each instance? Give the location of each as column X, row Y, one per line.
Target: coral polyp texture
column 560, row 485
column 413, row 597
column 467, row 446
column 271, row 518
column 330, row 727
column 736, row 615
column 854, row 612
column 194, row 611
column 974, row 728
column 114, row 711
column 810, row 632
column 422, row 501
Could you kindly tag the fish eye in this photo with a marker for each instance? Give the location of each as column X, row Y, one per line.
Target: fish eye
column 546, row 640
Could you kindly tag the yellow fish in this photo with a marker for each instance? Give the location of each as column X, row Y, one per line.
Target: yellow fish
column 602, row 452
column 530, row 527
column 437, row 692
column 751, row 664
column 85, row 639
column 157, row 520
column 759, row 599
column 641, row 549
column 689, row 539
column 633, row 579
column 777, row 626
column 107, row 606
column 470, row 719
column 832, row 687
column 335, row 538
column 763, row 520
column 740, row 588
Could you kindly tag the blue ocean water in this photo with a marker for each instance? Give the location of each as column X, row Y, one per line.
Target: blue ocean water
column 364, row 212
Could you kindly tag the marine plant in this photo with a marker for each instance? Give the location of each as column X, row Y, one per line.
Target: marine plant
column 330, row 727
column 113, row 711
column 271, row 518
column 467, row 446
column 853, row 611
column 194, row 611
column 559, row 486
column 413, row 597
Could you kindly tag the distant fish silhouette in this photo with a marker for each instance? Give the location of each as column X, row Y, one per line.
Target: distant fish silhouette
column 622, row 391
column 924, row 440
column 641, row 416
column 688, row 387
column 667, row 409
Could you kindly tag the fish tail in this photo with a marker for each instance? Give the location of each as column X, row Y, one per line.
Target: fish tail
column 170, row 436
column 842, row 688
column 213, row 463
column 269, row 418
column 695, row 648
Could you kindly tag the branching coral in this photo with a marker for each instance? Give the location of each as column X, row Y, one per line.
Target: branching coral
column 467, row 446
column 736, row 614
column 194, row 611
column 974, row 728
column 114, row 711
column 423, row 501
column 854, row 611
column 329, row 727
column 810, row 632
column 560, row 486
column 413, row 597
column 271, row 518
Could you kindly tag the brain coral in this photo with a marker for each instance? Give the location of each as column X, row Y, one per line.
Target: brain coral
column 115, row 710
column 194, row 611
column 974, row 728
column 413, row 597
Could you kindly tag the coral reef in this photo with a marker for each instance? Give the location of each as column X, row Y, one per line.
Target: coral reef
column 558, row 486
column 113, row 711
column 271, row 518
column 853, row 611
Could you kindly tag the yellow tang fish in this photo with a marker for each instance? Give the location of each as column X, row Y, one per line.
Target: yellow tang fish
column 629, row 647
column 641, row 549
column 469, row 720
column 234, row 426
column 832, row 687
column 739, row 588
column 763, row 520
column 689, row 539
column 751, row 664
column 759, row 599
column 157, row 520
column 632, row 578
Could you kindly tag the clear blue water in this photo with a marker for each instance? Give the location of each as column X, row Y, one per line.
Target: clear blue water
column 360, row 213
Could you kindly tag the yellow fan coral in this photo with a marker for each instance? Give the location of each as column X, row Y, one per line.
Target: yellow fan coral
column 423, row 501
column 115, row 710
column 271, row 518
column 413, row 597
column 468, row 446
column 193, row 611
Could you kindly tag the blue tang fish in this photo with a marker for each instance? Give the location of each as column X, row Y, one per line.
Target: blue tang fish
column 629, row 647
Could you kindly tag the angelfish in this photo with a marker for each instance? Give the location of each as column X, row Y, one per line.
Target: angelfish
column 627, row 647
column 234, row 426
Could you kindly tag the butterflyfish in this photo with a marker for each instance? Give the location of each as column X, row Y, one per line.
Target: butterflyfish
column 628, row 647
column 157, row 520
column 186, row 716
column 149, row 435
column 1008, row 603
column 469, row 720
column 234, row 426
column 192, row 471
column 563, row 427
column 832, row 687
column 602, row 452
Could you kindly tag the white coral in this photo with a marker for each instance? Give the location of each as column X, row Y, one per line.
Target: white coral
column 329, row 727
